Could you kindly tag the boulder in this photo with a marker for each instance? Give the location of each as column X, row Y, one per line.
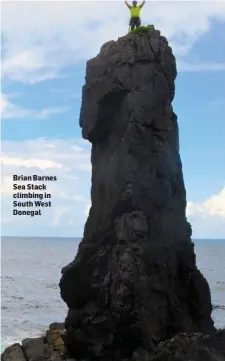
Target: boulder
column 13, row 353
column 34, row 348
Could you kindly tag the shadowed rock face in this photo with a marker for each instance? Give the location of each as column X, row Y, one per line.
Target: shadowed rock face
column 134, row 281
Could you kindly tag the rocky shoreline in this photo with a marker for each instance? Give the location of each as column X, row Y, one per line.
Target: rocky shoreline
column 182, row 347
column 47, row 347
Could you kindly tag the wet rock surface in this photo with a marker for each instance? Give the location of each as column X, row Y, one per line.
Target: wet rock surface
column 49, row 347
column 134, row 282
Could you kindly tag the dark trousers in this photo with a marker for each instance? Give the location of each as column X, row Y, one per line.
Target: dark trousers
column 134, row 23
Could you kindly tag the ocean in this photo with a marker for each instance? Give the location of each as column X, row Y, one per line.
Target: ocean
column 31, row 270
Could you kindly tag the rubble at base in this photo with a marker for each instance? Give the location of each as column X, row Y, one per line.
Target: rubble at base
column 49, row 347
column 182, row 347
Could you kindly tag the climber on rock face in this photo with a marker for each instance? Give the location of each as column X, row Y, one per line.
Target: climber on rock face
column 135, row 12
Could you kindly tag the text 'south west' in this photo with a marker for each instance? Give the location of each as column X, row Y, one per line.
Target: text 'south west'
column 23, row 194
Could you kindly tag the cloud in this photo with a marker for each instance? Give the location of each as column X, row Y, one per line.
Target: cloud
column 42, row 46
column 41, row 164
column 48, row 112
column 13, row 111
column 213, row 206
column 60, row 214
column 87, row 208
column 200, row 67
column 70, row 194
column 208, row 217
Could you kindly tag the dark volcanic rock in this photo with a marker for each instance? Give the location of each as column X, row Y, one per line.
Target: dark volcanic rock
column 134, row 281
column 192, row 347
column 13, row 353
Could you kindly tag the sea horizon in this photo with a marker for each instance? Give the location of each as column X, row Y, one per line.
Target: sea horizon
column 4, row 236
column 31, row 271
column 80, row 237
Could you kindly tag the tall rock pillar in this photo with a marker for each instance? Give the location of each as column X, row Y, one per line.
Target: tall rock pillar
column 134, row 281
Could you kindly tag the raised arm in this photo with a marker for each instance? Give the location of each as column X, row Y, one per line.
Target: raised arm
column 142, row 4
column 127, row 4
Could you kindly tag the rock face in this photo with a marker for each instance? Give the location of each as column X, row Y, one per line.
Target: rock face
column 45, row 348
column 13, row 353
column 192, row 347
column 134, row 281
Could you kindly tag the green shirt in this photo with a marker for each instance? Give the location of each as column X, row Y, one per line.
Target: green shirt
column 135, row 11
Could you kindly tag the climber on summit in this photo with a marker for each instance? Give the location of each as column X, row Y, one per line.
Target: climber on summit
column 135, row 12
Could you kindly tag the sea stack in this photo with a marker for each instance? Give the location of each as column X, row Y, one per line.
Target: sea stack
column 134, row 281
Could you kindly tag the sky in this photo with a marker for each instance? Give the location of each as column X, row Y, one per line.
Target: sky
column 44, row 49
